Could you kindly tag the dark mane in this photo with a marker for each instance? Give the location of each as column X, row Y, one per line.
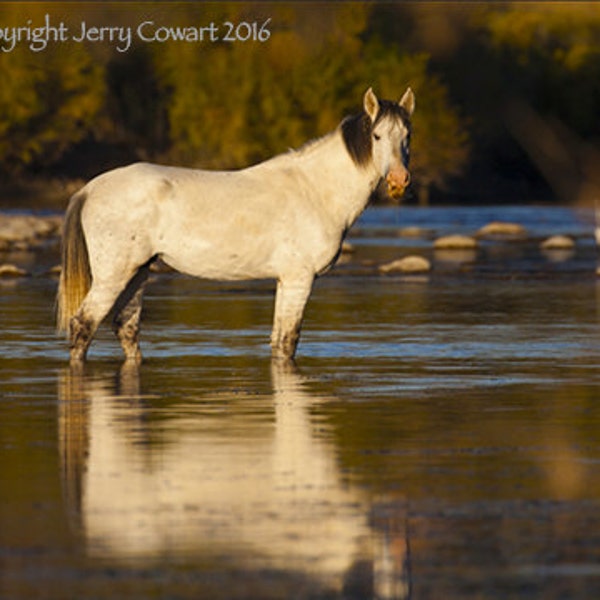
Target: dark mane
column 357, row 130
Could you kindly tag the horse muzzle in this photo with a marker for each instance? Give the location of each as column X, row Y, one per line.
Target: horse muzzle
column 397, row 181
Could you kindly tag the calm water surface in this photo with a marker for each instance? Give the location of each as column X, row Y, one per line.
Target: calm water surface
column 438, row 439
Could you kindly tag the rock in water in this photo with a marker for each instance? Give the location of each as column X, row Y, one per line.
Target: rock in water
column 455, row 242
column 503, row 230
column 558, row 242
column 408, row 264
column 8, row 270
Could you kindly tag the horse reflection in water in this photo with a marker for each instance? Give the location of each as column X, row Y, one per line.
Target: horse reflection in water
column 253, row 493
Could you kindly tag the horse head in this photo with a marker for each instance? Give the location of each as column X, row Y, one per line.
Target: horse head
column 390, row 138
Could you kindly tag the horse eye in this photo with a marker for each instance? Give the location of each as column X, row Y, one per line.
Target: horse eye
column 376, row 137
column 405, row 153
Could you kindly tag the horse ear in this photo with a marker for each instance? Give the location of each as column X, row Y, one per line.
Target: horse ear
column 408, row 101
column 371, row 104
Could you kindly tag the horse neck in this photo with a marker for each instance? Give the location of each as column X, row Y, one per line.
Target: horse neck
column 342, row 186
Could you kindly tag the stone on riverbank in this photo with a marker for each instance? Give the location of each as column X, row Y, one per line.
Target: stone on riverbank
column 414, row 231
column 558, row 242
column 347, row 247
column 408, row 264
column 9, row 271
column 54, row 271
column 455, row 242
column 23, row 232
column 501, row 229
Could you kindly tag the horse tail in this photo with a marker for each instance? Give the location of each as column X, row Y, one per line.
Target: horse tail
column 76, row 276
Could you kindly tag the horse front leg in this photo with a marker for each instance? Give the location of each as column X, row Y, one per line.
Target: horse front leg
column 290, row 300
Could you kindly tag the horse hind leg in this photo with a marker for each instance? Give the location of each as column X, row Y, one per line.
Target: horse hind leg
column 81, row 331
column 83, row 325
column 126, row 326
column 128, row 311
column 106, row 293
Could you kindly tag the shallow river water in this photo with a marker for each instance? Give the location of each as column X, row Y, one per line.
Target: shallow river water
column 439, row 438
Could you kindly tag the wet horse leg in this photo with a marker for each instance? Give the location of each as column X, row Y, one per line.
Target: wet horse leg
column 81, row 332
column 290, row 300
column 84, row 323
column 128, row 311
column 126, row 326
column 109, row 289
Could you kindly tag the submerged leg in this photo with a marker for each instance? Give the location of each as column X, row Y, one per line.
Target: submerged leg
column 126, row 326
column 123, row 290
column 128, row 310
column 84, row 323
column 290, row 300
column 81, row 332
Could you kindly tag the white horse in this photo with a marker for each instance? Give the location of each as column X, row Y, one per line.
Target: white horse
column 282, row 219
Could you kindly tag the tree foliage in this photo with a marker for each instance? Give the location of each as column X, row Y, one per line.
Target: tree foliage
column 226, row 105
column 48, row 101
column 233, row 104
column 554, row 50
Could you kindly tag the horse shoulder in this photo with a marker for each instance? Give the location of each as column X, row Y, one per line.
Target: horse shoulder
column 317, row 237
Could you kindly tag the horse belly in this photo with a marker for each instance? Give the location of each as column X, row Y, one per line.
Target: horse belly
column 209, row 263
column 220, row 254
column 233, row 227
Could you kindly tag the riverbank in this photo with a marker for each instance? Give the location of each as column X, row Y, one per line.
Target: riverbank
column 513, row 242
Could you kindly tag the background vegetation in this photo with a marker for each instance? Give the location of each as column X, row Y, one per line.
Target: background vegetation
column 507, row 93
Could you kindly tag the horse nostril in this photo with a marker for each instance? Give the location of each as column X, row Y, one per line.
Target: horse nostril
column 398, row 180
